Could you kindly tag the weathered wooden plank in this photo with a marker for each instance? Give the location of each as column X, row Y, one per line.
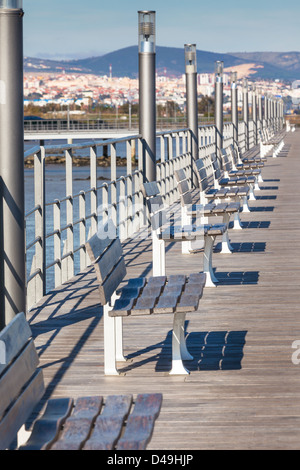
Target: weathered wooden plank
column 22, row 408
column 46, row 428
column 109, row 424
column 77, row 427
column 140, row 423
column 14, row 336
column 108, row 260
column 17, row 375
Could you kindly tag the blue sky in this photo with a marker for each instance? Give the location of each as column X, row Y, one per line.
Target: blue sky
column 76, row 28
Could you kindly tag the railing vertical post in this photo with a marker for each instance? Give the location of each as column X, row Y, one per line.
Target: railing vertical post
column 12, row 211
column 246, row 112
column 147, row 100
column 192, row 102
column 234, row 108
column 219, row 107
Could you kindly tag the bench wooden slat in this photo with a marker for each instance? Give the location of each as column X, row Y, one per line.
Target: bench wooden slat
column 17, row 375
column 15, row 335
column 150, row 189
column 99, row 242
column 20, row 411
column 144, row 306
column 108, row 260
column 46, row 428
column 140, row 423
column 109, row 423
column 78, row 426
column 111, row 283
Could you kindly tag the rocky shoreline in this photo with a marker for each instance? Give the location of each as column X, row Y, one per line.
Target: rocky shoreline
column 77, row 161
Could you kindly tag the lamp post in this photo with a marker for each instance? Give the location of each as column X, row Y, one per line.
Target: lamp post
column 12, row 227
column 234, row 108
column 219, row 65
column 246, row 112
column 260, row 109
column 190, row 55
column 254, row 113
column 147, row 101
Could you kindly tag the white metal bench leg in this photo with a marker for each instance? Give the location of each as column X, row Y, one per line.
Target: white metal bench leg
column 245, row 207
column 109, row 342
column 186, row 247
column 237, row 224
column 260, row 178
column 256, row 185
column 226, row 247
column 179, row 349
column 158, row 256
column 252, row 195
column 207, row 261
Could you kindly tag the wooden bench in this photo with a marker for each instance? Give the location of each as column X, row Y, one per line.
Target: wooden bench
column 248, row 167
column 250, row 159
column 114, row 422
column 268, row 142
column 237, row 176
column 189, row 209
column 176, row 295
column 163, row 232
column 208, row 173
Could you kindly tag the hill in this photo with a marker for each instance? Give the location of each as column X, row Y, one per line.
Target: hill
column 124, row 62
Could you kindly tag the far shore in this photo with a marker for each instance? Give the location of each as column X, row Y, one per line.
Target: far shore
column 78, row 161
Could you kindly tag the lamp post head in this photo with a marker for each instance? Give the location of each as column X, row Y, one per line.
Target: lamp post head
column 190, row 56
column 11, row 4
column 146, row 31
column 233, row 79
column 219, row 66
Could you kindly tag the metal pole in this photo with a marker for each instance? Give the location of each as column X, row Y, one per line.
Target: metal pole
column 219, row 107
column 254, row 113
column 234, row 109
column 260, row 110
column 246, row 112
column 147, row 98
column 192, row 101
column 12, row 232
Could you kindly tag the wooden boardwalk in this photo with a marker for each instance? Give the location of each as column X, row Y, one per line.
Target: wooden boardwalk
column 243, row 391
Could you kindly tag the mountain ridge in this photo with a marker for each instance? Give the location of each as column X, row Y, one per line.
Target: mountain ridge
column 170, row 60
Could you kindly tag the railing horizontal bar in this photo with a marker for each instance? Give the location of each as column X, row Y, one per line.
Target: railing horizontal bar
column 56, row 261
column 31, row 244
column 36, row 208
column 35, row 273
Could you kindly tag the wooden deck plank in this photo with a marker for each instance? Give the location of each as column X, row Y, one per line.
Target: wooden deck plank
column 243, row 389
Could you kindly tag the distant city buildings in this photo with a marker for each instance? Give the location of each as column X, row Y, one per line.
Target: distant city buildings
column 82, row 90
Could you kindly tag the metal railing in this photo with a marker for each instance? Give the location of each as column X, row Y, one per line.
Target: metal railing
column 58, row 228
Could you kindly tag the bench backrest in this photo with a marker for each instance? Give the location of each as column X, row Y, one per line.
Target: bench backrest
column 202, row 174
column 183, row 187
column 226, row 160
column 106, row 254
column 216, row 167
column 155, row 204
column 21, row 382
